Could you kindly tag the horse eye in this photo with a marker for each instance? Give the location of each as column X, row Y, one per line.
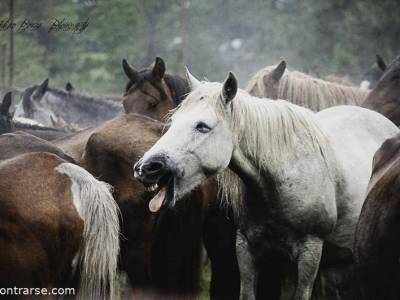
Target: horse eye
column 153, row 104
column 203, row 127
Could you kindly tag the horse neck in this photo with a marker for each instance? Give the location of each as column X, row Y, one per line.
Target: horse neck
column 81, row 107
column 74, row 144
column 259, row 169
column 273, row 130
column 317, row 94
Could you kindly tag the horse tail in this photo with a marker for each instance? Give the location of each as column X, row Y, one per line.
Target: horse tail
column 99, row 252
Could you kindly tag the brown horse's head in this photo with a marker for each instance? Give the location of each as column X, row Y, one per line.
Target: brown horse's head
column 5, row 116
column 385, row 97
column 147, row 92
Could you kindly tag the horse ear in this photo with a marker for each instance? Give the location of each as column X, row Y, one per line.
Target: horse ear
column 5, row 105
column 158, row 70
column 130, row 72
column 381, row 63
column 69, row 87
column 38, row 93
column 277, row 73
column 193, row 81
column 42, row 88
column 229, row 88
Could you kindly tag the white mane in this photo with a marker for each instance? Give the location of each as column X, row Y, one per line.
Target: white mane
column 267, row 131
column 305, row 90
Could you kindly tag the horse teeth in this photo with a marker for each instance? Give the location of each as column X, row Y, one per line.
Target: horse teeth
column 152, row 188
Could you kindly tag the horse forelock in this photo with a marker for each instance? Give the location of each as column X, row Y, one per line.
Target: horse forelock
column 178, row 86
column 305, row 90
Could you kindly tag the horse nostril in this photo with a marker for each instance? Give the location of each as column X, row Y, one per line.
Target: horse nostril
column 136, row 167
column 153, row 167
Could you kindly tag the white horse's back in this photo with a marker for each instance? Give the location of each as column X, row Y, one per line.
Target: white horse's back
column 355, row 134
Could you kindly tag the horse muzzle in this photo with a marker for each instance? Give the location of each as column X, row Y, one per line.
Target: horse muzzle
column 151, row 170
column 157, row 176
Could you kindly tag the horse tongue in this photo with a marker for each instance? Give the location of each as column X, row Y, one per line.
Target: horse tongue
column 157, row 201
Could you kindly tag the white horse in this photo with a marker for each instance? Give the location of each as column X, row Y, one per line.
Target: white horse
column 305, row 173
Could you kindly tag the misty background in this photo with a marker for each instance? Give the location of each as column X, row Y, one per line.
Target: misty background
column 338, row 37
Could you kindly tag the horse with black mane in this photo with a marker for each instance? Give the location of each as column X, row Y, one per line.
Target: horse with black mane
column 154, row 93
column 151, row 91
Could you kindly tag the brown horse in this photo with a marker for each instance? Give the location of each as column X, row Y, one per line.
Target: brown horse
column 161, row 253
column 17, row 143
column 385, row 97
column 377, row 244
column 54, row 218
column 276, row 82
column 152, row 92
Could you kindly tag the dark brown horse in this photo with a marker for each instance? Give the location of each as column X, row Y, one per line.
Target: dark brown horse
column 377, row 244
column 385, row 97
column 50, row 237
column 161, row 253
column 153, row 93
column 374, row 73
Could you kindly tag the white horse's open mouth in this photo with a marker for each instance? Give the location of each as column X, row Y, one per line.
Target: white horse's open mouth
column 164, row 197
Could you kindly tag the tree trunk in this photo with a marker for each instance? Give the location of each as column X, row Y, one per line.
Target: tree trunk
column 11, row 61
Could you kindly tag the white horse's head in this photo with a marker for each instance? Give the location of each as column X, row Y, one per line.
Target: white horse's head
column 198, row 144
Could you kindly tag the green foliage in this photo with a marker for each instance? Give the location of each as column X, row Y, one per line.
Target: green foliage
column 321, row 37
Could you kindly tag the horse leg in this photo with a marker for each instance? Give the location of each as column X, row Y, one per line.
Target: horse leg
column 248, row 274
column 308, row 255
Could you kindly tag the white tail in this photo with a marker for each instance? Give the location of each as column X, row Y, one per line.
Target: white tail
column 99, row 252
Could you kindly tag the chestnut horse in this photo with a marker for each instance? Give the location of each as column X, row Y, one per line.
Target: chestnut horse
column 161, row 253
column 154, row 93
column 50, row 237
column 385, row 97
column 377, row 244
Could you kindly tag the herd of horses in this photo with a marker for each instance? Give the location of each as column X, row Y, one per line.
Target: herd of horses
column 291, row 186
